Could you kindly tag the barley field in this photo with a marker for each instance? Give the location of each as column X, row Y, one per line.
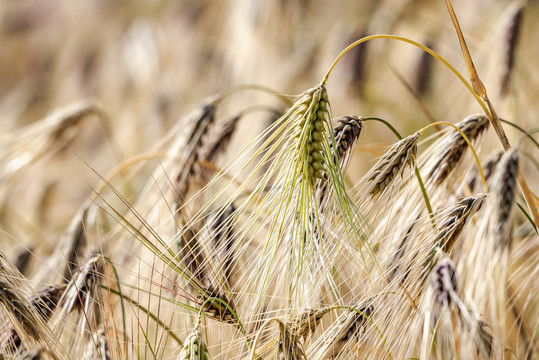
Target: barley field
column 239, row 179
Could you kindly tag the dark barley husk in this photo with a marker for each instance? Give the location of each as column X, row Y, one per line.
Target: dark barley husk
column 444, row 282
column 346, row 133
column 511, row 42
column 392, row 163
column 503, row 187
column 221, row 233
column 190, row 152
column 347, row 327
column 289, row 345
column 455, row 145
column 453, row 224
column 213, row 144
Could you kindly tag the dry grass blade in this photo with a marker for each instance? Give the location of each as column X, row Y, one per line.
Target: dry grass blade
column 454, row 147
column 392, row 163
column 478, row 86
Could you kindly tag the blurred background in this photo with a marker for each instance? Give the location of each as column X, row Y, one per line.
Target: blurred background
column 146, row 64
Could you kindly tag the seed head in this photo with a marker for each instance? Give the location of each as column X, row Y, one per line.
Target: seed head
column 444, row 282
column 304, row 323
column 455, row 145
column 311, row 124
column 392, row 164
column 453, row 224
column 511, row 43
column 504, row 190
column 194, row 347
column 346, row 133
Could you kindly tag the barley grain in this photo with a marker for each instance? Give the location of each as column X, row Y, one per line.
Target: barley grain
column 392, row 163
column 504, row 185
column 454, row 147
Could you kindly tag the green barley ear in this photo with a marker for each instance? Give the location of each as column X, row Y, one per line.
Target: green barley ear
column 311, row 124
column 194, row 347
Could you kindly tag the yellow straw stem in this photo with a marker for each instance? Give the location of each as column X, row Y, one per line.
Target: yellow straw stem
column 259, row 333
column 480, row 90
column 416, row 44
column 485, row 188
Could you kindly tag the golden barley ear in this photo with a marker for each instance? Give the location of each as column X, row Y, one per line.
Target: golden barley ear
column 393, row 162
column 451, row 227
column 305, row 323
column 290, row 347
column 504, row 185
column 198, row 126
column 346, row 329
column 454, row 146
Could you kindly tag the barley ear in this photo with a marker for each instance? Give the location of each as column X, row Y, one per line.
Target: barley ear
column 504, row 193
column 392, row 164
column 194, row 347
column 512, row 35
column 455, row 146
